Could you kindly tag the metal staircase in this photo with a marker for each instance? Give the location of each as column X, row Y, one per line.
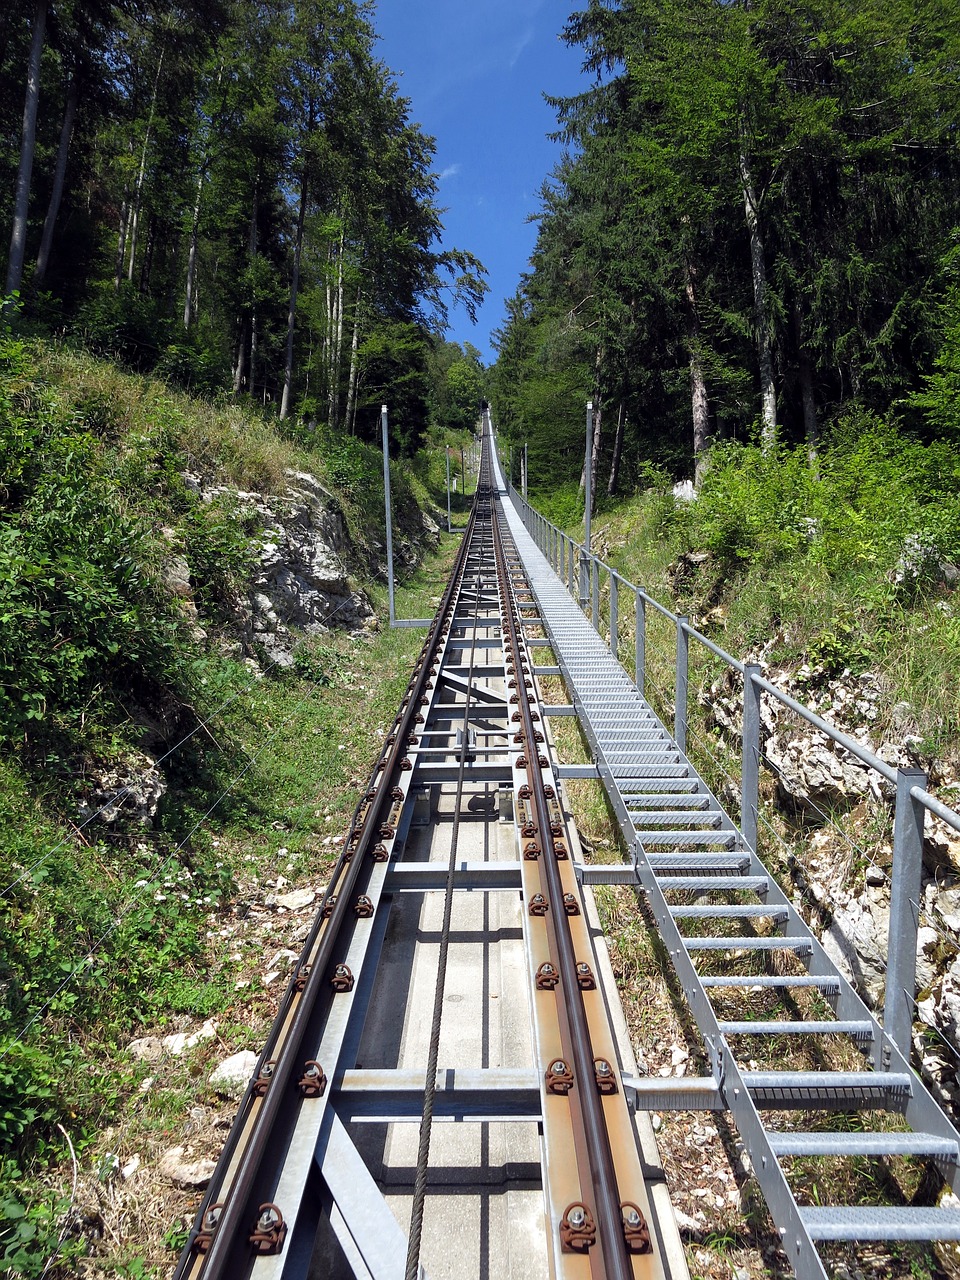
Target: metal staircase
column 737, row 943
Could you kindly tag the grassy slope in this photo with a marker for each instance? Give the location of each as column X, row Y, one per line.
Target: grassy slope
column 109, row 932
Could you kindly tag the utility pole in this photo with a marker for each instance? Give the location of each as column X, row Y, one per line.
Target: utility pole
column 387, row 508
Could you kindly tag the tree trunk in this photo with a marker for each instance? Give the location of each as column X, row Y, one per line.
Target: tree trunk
column 699, row 399
column 28, row 142
column 138, row 190
column 240, row 368
column 805, row 378
column 292, row 312
column 190, row 298
column 59, row 174
column 351, row 414
column 617, row 450
column 595, row 452
column 761, row 305
column 121, row 244
column 338, row 339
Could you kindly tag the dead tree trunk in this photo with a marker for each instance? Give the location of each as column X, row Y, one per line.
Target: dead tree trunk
column 761, row 304
column 28, row 145
column 191, row 287
column 59, row 174
column 617, row 450
column 292, row 311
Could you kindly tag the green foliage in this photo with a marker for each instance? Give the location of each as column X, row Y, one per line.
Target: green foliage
column 30, row 1234
column 940, row 399
column 77, row 602
column 219, row 539
column 876, row 502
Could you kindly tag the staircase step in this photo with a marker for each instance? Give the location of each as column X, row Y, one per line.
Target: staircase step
column 777, row 943
column 696, row 801
column 755, row 911
column 711, row 818
column 701, row 884
column 726, row 839
column 665, row 862
column 825, row 984
column 842, row 1222
column 827, row 1090
column 860, row 1030
column 865, row 1144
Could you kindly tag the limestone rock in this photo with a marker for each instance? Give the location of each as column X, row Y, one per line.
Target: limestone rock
column 131, row 789
column 941, row 845
column 234, row 1074
column 180, row 1041
column 814, row 774
column 296, row 900
column 185, row 1173
column 146, row 1048
column 856, row 940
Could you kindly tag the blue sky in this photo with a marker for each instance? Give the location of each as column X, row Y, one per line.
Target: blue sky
column 476, row 73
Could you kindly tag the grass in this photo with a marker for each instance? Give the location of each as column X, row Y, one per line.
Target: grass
column 299, row 752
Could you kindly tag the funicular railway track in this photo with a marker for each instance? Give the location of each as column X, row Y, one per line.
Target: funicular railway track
column 450, row 975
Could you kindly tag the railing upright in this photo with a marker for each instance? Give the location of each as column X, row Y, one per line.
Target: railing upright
column 750, row 763
column 680, row 698
column 904, row 909
column 595, row 593
column 614, row 618
column 640, row 645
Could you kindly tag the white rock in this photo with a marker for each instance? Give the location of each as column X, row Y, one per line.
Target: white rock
column 233, row 1074
column 297, row 900
column 130, row 1168
column 146, row 1048
column 185, row 1173
column 180, row 1041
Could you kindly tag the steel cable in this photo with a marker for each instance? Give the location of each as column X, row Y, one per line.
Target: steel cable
column 414, row 1241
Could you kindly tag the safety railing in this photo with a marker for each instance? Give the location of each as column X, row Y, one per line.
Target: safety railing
column 585, row 575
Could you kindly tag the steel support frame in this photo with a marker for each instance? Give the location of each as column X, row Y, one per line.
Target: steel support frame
column 918, row 1107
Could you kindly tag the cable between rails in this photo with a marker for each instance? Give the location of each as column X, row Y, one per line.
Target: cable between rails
column 412, row 1269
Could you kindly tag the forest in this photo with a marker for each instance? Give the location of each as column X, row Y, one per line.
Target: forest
column 752, row 236
column 231, row 194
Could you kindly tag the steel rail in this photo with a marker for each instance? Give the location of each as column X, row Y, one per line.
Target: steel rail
column 616, row 1264
column 483, row 501
column 262, row 1130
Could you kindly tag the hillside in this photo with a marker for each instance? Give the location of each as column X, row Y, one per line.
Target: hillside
column 188, row 629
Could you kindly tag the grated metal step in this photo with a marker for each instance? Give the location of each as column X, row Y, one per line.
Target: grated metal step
column 840, row 1222
column 859, row 1030
column 864, row 1144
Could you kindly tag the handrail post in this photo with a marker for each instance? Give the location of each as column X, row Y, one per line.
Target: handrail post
column 680, row 698
column 449, row 521
column 595, row 594
column 640, row 646
column 614, row 619
column 388, row 511
column 904, row 910
column 572, row 570
column 750, row 762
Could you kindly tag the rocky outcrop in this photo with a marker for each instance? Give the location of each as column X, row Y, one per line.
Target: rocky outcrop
column 128, row 791
column 302, row 582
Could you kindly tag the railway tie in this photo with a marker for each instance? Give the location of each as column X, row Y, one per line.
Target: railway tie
column 444, row 1091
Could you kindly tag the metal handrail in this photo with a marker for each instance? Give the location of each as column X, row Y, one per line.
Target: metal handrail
column 913, row 801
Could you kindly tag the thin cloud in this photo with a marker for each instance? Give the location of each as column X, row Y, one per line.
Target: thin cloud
column 524, row 41
column 450, row 171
